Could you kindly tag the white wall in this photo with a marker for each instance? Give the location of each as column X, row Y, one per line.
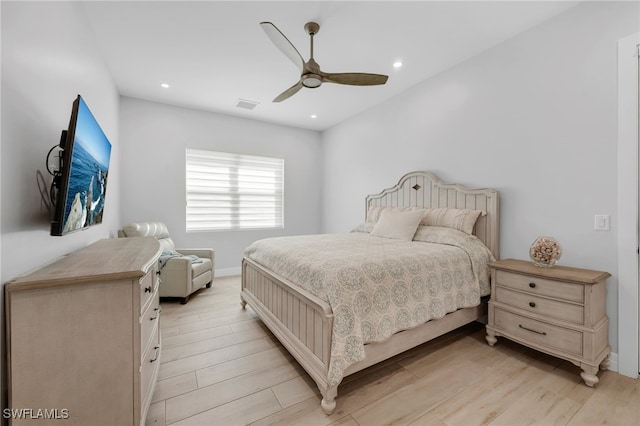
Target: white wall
column 535, row 117
column 49, row 56
column 154, row 137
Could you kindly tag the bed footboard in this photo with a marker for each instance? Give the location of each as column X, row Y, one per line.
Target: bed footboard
column 301, row 321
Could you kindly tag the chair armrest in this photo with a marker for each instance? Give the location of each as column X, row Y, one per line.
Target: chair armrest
column 177, row 264
column 206, row 253
column 175, row 276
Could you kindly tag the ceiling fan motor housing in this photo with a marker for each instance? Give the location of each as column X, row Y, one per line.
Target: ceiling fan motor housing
column 311, row 80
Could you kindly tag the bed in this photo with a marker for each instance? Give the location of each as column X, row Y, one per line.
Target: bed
column 337, row 316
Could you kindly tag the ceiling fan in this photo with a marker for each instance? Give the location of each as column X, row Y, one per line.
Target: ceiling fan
column 310, row 74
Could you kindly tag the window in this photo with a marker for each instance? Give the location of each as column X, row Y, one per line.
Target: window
column 233, row 191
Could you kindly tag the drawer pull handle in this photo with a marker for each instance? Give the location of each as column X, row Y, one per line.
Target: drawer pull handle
column 157, row 354
column 157, row 272
column 532, row 285
column 532, row 304
column 147, row 289
column 158, row 310
column 533, row 331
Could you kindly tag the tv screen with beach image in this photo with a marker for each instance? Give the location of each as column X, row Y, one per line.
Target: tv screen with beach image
column 88, row 174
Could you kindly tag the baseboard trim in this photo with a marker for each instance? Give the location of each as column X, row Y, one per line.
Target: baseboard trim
column 613, row 362
column 227, row 272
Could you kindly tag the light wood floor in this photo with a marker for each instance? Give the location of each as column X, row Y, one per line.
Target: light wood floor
column 221, row 366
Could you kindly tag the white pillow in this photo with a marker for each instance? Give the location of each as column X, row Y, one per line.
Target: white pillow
column 461, row 219
column 374, row 212
column 399, row 225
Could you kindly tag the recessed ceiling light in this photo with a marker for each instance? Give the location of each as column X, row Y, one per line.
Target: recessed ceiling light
column 314, row 116
column 165, row 85
column 397, row 64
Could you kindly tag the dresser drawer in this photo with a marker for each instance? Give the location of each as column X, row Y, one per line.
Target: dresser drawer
column 550, row 308
column 541, row 286
column 149, row 367
column 538, row 333
column 149, row 321
column 148, row 286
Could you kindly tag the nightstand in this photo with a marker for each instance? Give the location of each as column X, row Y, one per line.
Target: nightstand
column 558, row 310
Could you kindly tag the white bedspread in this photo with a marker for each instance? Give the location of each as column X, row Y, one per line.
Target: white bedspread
column 377, row 286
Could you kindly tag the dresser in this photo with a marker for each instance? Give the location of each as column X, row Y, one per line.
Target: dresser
column 83, row 337
column 558, row 310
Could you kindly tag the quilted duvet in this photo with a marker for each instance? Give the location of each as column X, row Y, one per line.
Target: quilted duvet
column 378, row 286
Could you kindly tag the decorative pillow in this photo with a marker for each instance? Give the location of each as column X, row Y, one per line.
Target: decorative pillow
column 461, row 219
column 374, row 212
column 399, row 225
column 443, row 235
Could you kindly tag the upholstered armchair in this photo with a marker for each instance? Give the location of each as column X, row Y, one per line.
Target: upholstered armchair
column 182, row 271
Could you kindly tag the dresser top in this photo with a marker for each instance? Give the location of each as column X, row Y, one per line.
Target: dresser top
column 104, row 260
column 562, row 273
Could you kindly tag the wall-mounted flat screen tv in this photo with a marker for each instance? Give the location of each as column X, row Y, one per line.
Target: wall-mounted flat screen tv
column 84, row 169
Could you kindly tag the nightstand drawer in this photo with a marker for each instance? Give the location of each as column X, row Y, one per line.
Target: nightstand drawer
column 538, row 333
column 551, row 308
column 541, row 286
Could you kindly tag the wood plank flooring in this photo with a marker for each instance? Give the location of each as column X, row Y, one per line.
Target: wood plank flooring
column 221, row 366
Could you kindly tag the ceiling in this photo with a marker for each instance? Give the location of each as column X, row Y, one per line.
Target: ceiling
column 213, row 53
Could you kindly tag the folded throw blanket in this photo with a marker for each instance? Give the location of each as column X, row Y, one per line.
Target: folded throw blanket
column 168, row 254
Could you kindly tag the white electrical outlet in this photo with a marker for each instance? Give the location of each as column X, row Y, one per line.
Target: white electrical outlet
column 601, row 222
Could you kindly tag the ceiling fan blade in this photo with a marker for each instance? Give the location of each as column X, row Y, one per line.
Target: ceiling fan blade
column 289, row 92
column 283, row 44
column 355, row 78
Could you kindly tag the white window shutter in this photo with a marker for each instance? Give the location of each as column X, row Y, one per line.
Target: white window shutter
column 233, row 191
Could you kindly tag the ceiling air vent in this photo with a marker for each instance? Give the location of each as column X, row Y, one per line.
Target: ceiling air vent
column 246, row 104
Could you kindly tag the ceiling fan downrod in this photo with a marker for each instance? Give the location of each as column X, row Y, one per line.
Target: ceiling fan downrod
column 311, row 78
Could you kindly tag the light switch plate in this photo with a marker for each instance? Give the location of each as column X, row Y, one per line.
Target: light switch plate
column 601, row 222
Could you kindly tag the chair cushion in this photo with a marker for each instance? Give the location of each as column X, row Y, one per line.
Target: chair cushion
column 199, row 268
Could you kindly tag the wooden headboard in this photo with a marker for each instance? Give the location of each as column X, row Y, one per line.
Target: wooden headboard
column 424, row 189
